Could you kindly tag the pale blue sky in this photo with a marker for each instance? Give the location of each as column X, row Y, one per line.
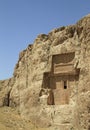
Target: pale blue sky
column 22, row 20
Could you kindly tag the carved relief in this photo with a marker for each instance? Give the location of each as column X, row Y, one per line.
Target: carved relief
column 60, row 78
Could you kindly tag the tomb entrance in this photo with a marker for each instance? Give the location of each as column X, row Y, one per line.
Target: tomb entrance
column 61, row 78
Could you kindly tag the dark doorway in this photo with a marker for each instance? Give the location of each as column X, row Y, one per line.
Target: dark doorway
column 65, row 84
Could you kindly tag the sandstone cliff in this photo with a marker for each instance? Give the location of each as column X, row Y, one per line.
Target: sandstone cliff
column 23, row 89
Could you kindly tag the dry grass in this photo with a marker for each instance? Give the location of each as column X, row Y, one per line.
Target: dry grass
column 11, row 120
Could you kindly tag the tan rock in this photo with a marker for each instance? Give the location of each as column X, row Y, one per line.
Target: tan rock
column 48, row 64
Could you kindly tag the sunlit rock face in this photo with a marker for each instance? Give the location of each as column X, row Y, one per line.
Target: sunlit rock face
column 51, row 81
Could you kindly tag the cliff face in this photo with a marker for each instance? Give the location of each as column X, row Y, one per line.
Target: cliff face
column 23, row 89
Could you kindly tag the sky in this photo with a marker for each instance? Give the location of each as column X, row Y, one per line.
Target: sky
column 22, row 20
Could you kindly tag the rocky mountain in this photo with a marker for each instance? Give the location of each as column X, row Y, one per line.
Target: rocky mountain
column 51, row 81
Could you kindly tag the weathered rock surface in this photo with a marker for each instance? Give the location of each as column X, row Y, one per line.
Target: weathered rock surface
column 23, row 89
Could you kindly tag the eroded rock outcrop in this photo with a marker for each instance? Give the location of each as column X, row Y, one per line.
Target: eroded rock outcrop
column 36, row 61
